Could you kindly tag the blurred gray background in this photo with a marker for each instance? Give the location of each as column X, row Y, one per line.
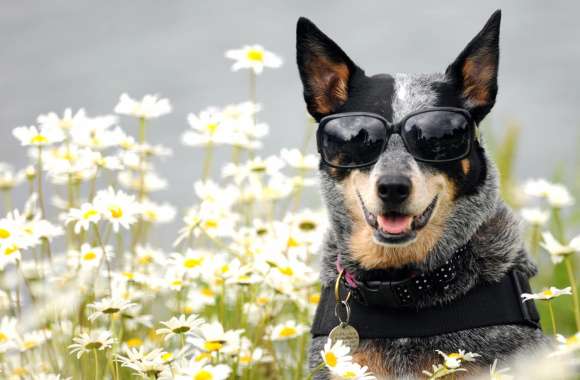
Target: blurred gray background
column 58, row 54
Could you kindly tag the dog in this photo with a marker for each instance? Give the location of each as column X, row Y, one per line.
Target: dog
column 403, row 207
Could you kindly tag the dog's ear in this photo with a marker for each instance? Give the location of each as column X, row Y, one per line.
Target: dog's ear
column 474, row 72
column 324, row 68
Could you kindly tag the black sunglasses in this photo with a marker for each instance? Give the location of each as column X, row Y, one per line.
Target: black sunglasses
column 357, row 139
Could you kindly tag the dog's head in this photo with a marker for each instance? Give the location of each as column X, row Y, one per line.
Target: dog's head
column 394, row 212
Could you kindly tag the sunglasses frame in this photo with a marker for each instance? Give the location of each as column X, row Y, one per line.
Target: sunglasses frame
column 395, row 128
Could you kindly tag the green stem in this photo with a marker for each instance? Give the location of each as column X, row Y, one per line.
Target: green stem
column 572, row 279
column 96, row 364
column 207, row 161
column 552, row 317
column 558, row 226
column 109, row 275
column 7, row 193
column 39, row 182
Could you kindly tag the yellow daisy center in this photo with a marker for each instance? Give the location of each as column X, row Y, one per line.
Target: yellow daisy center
column 116, row 212
column 90, row 213
column 203, row 356
column 572, row 340
column 314, row 299
column 207, row 292
column 145, row 260
column 287, row 271
column 3, row 337
column 134, row 342
column 192, row 262
column 10, row 250
column 255, row 55
column 287, row 332
column 89, row 256
column 454, row 355
column 4, row 234
column 29, row 344
column 166, row 356
column 292, row 242
column 330, row 359
column 211, row 223
column 348, row 375
column 547, row 293
column 39, row 139
column 203, row 375
column 307, row 225
column 212, row 127
column 213, row 345
column 245, row 359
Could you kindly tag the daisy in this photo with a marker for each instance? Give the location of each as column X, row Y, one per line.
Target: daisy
column 352, row 371
column 8, row 178
column 148, row 183
column 95, row 340
column 191, row 261
column 535, row 216
column 31, row 340
column 557, row 250
column 253, row 169
column 453, row 360
column 558, row 196
column 148, row 108
column 109, row 306
column 181, row 325
column 157, row 213
column 210, row 192
column 287, row 330
column 41, row 136
column 120, row 209
column 83, row 217
column 335, row 355
column 89, row 256
column 296, row 159
column 547, row 294
column 67, row 122
column 207, row 128
column 253, row 57
column 8, row 333
column 567, row 344
column 146, row 363
column 213, row 338
column 200, row 370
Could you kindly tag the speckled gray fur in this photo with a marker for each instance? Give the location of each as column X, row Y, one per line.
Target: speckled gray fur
column 482, row 218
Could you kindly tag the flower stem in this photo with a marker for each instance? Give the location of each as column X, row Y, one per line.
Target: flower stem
column 207, row 161
column 39, row 182
column 572, row 279
column 552, row 317
column 109, row 275
column 96, row 364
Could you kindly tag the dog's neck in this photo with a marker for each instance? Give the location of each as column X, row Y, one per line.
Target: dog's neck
column 481, row 219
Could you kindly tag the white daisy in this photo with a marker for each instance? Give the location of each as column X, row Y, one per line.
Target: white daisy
column 287, row 330
column 40, row 136
column 352, row 371
column 147, row 108
column 117, row 207
column 83, row 217
column 180, row 325
column 535, row 216
column 95, row 340
column 253, row 57
column 557, row 250
column 547, row 294
column 296, row 159
column 109, row 306
column 199, row 370
column 334, row 355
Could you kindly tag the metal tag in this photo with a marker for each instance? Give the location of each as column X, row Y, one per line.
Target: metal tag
column 347, row 334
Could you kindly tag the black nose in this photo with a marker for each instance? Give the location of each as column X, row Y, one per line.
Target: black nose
column 393, row 189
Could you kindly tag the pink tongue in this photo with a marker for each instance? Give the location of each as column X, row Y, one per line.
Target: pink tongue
column 394, row 224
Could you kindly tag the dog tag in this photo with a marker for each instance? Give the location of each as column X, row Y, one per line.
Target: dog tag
column 347, row 334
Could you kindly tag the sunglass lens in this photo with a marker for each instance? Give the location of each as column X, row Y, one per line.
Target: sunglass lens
column 351, row 141
column 437, row 135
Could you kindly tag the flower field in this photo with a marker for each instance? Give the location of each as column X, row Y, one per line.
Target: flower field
column 86, row 292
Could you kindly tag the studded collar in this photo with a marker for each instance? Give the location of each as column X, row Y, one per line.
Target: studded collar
column 369, row 289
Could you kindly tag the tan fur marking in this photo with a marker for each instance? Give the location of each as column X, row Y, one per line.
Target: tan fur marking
column 371, row 255
column 478, row 72
column 465, row 165
column 329, row 83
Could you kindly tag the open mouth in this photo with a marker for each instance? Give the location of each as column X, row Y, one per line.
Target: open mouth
column 394, row 227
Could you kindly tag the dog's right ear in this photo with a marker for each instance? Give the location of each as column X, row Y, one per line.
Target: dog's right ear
column 324, row 68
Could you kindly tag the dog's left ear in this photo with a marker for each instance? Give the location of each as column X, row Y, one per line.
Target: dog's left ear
column 324, row 68
column 474, row 72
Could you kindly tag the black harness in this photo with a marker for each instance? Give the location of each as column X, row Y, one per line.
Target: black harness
column 388, row 309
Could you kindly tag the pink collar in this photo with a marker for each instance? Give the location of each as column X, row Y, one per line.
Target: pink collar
column 350, row 280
